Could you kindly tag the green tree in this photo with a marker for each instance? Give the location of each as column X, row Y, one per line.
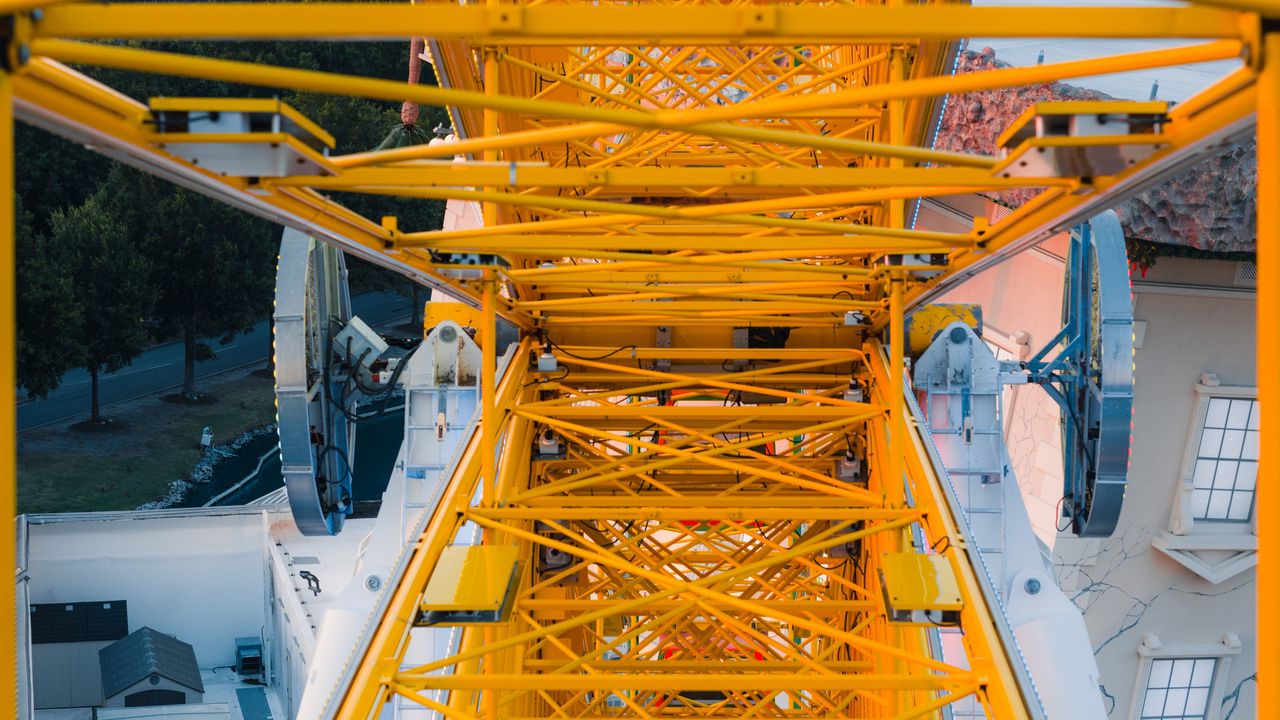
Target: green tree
column 212, row 267
column 109, row 280
column 54, row 174
column 49, row 318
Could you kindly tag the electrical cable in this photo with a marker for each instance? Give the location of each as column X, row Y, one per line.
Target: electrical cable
column 539, row 381
column 607, row 355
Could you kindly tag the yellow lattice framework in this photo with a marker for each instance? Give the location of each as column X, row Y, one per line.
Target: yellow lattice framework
column 659, row 181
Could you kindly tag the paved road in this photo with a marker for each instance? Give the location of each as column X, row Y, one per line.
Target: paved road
column 160, row 368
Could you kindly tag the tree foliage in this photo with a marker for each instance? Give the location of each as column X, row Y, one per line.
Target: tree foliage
column 110, row 282
column 49, row 317
column 110, row 259
column 211, row 266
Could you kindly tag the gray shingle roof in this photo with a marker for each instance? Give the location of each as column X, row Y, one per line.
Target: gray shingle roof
column 144, row 652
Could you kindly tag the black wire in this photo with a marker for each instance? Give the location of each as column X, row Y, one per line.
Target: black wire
column 538, row 381
column 387, row 388
column 1058, row 510
column 602, row 357
column 346, row 463
column 343, row 496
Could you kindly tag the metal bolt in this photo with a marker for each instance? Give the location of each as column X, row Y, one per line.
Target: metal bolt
column 958, row 335
column 1032, row 587
column 448, row 333
column 37, row 14
column 373, row 583
column 24, row 54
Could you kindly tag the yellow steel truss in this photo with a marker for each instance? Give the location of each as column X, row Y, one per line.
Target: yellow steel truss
column 684, row 169
column 701, row 527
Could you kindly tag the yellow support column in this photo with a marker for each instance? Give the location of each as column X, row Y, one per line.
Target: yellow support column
column 488, row 363
column 897, row 221
column 8, row 398
column 488, row 435
column 1268, row 383
column 895, row 495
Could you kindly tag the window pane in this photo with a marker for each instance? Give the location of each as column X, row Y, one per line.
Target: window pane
column 1174, row 702
column 1225, row 477
column 1181, row 676
column 1232, row 444
column 1178, row 689
column 1203, row 476
column 1246, row 476
column 1199, row 503
column 1160, row 670
column 1197, row 699
column 1203, row 675
column 1153, row 706
column 1253, row 418
column 1218, row 503
column 1250, row 449
column 1217, row 415
column 1241, row 504
column 1238, row 418
column 1210, row 443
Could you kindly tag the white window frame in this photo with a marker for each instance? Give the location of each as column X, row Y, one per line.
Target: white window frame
column 1151, row 649
column 1182, row 520
column 1186, row 535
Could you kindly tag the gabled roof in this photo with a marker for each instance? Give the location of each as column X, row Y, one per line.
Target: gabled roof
column 79, row 622
column 147, row 652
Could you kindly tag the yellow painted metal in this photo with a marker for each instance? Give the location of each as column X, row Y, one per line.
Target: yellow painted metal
column 438, row 311
column 1025, row 125
column 718, row 564
column 634, row 180
column 677, row 190
column 1268, row 360
column 920, row 582
column 471, row 578
column 924, row 323
column 656, row 24
column 243, row 105
column 8, row 399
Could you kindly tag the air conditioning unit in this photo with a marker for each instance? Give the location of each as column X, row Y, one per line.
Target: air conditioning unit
column 249, row 656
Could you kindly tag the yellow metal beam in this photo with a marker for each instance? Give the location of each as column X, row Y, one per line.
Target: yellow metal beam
column 8, row 401
column 335, row 84
column 700, row 121
column 638, row 179
column 653, row 24
column 1268, row 382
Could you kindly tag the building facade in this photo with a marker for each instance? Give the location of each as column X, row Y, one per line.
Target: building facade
column 1170, row 600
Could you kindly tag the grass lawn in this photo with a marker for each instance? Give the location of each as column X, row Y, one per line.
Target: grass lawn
column 65, row 470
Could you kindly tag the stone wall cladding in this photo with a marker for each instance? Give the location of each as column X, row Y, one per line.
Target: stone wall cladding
column 1211, row 206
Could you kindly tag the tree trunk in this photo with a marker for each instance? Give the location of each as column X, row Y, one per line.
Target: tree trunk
column 95, row 416
column 188, row 363
column 271, row 343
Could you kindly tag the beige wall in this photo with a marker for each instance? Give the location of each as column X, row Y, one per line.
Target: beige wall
column 1196, row 322
column 67, row 674
column 144, row 685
